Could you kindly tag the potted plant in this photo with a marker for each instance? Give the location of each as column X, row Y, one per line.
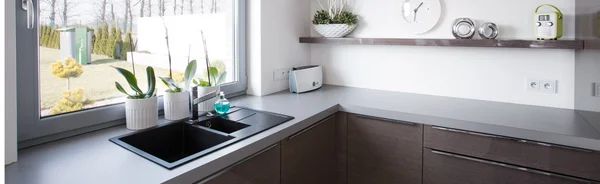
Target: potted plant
column 334, row 22
column 176, row 99
column 141, row 108
column 214, row 79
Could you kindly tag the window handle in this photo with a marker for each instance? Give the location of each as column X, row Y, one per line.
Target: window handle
column 27, row 5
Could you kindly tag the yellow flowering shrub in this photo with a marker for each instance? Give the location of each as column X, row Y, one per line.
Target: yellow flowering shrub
column 71, row 100
column 71, row 68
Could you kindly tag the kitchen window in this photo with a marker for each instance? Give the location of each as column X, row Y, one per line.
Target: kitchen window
column 65, row 58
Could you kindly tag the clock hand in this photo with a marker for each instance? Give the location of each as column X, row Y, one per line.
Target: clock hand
column 416, row 10
column 415, row 17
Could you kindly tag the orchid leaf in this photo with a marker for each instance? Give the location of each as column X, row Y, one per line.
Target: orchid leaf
column 151, row 82
column 190, row 71
column 120, row 88
column 171, row 84
column 221, row 78
column 201, row 82
column 130, row 79
column 213, row 73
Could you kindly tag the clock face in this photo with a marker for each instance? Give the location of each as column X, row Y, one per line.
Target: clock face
column 421, row 15
column 415, row 11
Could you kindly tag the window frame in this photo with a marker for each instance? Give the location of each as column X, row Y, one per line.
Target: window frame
column 32, row 126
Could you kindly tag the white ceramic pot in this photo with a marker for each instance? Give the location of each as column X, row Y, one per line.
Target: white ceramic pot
column 176, row 105
column 208, row 105
column 141, row 113
column 334, row 30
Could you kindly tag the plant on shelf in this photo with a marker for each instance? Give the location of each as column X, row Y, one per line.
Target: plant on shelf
column 214, row 77
column 177, row 98
column 133, row 84
column 141, row 108
column 172, row 84
column 334, row 21
column 211, row 83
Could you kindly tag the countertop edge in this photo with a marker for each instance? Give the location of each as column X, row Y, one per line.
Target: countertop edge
column 547, row 137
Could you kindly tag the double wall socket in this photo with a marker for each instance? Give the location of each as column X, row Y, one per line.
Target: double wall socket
column 545, row 86
column 281, row 74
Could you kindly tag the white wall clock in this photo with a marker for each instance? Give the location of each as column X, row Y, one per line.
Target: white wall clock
column 421, row 15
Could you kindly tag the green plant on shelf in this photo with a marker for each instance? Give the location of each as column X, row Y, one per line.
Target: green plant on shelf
column 171, row 83
column 334, row 14
column 133, row 84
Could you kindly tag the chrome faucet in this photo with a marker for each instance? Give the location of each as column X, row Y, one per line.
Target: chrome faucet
column 196, row 100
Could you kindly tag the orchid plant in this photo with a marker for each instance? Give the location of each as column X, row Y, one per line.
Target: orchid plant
column 189, row 73
column 214, row 78
column 132, row 80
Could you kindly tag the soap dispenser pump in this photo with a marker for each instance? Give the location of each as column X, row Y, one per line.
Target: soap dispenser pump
column 222, row 104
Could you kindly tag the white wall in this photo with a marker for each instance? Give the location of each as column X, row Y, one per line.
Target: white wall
column 475, row 73
column 253, row 49
column 8, row 82
column 273, row 40
column 587, row 68
column 587, row 63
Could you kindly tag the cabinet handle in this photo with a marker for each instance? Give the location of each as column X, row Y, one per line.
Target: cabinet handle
column 308, row 128
column 513, row 139
column 467, row 132
column 223, row 171
column 385, row 119
column 510, row 166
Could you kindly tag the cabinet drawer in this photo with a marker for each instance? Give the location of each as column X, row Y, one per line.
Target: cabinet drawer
column 262, row 167
column 384, row 151
column 448, row 168
column 559, row 159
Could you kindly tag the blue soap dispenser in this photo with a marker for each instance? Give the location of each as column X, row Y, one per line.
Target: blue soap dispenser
column 222, row 104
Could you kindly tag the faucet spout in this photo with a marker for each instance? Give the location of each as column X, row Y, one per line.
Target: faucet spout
column 197, row 100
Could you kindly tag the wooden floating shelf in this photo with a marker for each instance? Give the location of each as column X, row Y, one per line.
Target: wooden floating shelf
column 535, row 44
column 592, row 45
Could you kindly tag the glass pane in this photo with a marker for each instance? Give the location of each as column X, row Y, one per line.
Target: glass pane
column 82, row 40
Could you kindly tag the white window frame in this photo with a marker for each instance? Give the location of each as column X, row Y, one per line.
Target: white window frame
column 32, row 129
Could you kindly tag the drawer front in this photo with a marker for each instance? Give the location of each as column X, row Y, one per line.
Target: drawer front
column 262, row 167
column 448, row 168
column 309, row 156
column 384, row 151
column 565, row 160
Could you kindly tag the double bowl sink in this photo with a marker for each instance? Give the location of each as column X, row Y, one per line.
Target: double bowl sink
column 173, row 144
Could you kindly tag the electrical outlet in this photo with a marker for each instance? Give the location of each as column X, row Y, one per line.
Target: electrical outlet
column 281, row 74
column 533, row 85
column 548, row 86
column 544, row 86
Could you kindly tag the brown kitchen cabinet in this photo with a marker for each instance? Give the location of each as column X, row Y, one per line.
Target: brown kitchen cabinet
column 542, row 156
column 260, row 168
column 441, row 167
column 309, row 156
column 383, row 151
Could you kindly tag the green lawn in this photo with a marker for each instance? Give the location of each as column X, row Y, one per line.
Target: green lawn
column 97, row 79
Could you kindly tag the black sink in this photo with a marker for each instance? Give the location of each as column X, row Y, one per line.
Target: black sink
column 175, row 143
column 222, row 125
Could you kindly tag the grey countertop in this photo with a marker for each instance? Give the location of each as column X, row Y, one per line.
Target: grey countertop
column 91, row 158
